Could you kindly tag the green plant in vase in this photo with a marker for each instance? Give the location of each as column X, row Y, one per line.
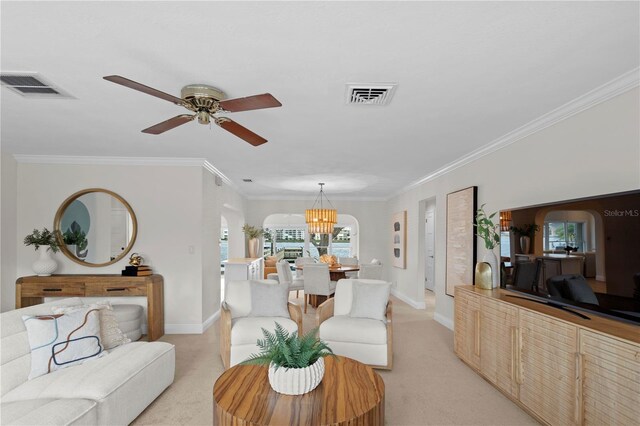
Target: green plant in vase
column 290, row 359
column 489, row 232
column 45, row 265
column 526, row 233
column 74, row 236
column 253, row 234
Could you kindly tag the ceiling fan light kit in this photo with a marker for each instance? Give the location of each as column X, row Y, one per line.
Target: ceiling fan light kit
column 205, row 102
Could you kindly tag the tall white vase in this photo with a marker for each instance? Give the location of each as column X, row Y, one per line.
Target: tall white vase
column 525, row 242
column 490, row 257
column 45, row 265
column 253, row 247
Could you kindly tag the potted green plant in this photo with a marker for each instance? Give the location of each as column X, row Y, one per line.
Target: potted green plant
column 253, row 234
column 489, row 232
column 296, row 364
column 526, row 233
column 76, row 240
column 45, row 265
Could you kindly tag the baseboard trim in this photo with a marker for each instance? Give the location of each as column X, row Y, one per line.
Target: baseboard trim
column 406, row 299
column 447, row 322
column 209, row 322
column 183, row 329
column 192, row 328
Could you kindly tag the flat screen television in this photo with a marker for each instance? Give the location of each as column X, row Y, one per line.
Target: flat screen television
column 585, row 255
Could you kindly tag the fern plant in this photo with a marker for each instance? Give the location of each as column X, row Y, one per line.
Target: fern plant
column 288, row 350
column 42, row 238
column 486, row 229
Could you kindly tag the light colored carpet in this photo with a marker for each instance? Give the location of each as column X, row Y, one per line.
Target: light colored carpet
column 429, row 385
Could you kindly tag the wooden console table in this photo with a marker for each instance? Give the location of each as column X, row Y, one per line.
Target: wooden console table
column 32, row 290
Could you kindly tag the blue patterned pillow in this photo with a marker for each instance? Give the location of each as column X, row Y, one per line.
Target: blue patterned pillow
column 60, row 341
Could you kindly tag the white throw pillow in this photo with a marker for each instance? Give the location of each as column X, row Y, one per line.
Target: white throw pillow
column 60, row 341
column 375, row 262
column 269, row 300
column 111, row 335
column 370, row 300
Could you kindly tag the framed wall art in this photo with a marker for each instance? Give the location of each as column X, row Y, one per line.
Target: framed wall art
column 461, row 238
column 399, row 235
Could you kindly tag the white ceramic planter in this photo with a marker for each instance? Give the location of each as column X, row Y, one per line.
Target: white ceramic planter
column 296, row 381
column 45, row 265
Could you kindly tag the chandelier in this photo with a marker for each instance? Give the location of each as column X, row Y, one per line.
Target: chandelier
column 505, row 220
column 321, row 220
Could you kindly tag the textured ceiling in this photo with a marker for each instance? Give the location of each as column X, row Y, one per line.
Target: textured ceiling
column 467, row 73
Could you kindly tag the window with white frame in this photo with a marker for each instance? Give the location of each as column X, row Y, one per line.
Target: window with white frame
column 558, row 235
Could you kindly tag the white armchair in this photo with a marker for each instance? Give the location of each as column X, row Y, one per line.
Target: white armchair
column 286, row 276
column 370, row 271
column 363, row 336
column 317, row 282
column 240, row 328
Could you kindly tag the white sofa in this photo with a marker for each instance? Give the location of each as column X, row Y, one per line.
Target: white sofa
column 111, row 390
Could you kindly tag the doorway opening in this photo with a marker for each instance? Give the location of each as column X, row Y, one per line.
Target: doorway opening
column 428, row 225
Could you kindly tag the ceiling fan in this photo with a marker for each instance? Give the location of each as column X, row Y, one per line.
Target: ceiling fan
column 206, row 102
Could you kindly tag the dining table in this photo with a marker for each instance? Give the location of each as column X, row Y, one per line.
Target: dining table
column 338, row 272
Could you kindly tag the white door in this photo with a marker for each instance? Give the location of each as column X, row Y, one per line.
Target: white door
column 429, row 278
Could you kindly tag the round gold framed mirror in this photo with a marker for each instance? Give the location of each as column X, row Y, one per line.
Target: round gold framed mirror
column 95, row 227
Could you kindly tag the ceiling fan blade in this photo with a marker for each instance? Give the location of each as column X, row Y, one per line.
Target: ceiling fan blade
column 144, row 89
column 266, row 100
column 169, row 124
column 240, row 131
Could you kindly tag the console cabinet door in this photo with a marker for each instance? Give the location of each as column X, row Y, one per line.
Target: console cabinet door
column 499, row 344
column 548, row 375
column 610, row 380
column 467, row 327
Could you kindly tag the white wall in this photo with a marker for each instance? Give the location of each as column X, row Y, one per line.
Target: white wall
column 8, row 234
column 217, row 200
column 371, row 216
column 172, row 211
column 603, row 142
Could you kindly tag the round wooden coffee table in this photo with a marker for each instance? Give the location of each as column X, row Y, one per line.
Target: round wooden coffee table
column 350, row 393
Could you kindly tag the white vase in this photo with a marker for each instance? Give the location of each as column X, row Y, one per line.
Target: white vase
column 490, row 257
column 296, row 381
column 524, row 244
column 45, row 265
column 253, row 248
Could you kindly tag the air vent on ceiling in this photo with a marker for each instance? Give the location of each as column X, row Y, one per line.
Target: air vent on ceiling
column 31, row 85
column 247, row 180
column 370, row 94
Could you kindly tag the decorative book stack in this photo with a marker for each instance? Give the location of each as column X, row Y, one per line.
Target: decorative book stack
column 137, row 271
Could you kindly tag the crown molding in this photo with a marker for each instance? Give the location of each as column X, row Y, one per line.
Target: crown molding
column 311, row 198
column 124, row 161
column 107, row 161
column 613, row 88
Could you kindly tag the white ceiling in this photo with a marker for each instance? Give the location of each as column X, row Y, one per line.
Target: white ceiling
column 467, row 74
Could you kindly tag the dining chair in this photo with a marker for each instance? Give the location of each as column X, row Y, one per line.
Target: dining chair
column 317, row 282
column 286, row 276
column 370, row 271
column 349, row 261
column 301, row 261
